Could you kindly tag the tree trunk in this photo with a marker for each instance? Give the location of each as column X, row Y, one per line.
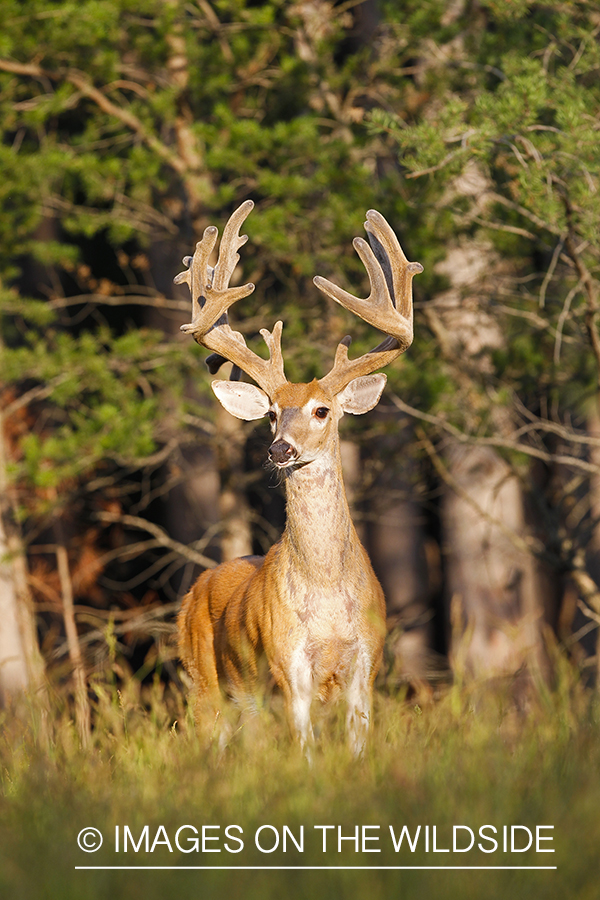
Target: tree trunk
column 493, row 591
column 21, row 664
column 592, row 558
column 14, row 671
column 398, row 548
column 352, row 474
column 495, row 608
column 235, row 514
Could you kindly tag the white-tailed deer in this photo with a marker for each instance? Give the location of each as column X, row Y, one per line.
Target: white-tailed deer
column 313, row 604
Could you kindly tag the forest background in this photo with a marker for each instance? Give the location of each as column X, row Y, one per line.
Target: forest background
column 127, row 128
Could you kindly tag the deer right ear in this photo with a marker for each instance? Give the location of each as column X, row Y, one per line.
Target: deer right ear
column 242, row 400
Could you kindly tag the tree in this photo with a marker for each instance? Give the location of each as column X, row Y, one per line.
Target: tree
column 127, row 129
column 506, row 146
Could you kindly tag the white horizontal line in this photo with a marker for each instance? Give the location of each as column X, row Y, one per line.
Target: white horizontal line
column 320, row 868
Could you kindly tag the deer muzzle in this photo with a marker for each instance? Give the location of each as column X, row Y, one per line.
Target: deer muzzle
column 281, row 453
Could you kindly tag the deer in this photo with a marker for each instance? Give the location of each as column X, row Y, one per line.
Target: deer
column 313, row 605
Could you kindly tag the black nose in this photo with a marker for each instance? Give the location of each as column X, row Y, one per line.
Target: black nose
column 281, row 452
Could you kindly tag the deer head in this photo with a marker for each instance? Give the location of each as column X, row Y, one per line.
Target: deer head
column 303, row 417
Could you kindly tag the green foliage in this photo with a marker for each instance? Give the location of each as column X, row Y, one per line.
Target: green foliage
column 100, row 395
column 101, row 133
column 525, row 121
column 101, row 136
column 134, row 125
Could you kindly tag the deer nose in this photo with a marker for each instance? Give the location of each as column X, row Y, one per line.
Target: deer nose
column 281, row 452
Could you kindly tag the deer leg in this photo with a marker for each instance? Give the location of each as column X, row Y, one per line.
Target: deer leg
column 201, row 665
column 299, row 696
column 358, row 698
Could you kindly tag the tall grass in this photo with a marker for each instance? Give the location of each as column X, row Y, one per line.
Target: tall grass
column 471, row 757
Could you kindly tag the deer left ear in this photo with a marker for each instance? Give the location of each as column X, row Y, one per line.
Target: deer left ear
column 362, row 394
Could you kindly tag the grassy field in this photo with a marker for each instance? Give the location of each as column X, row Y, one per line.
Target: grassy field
column 469, row 758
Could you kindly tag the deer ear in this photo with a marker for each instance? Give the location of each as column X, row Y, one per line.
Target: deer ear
column 362, row 394
column 242, row 400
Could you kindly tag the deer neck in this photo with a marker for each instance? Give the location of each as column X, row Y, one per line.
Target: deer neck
column 319, row 535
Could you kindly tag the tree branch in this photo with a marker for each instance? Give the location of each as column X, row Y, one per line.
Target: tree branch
column 161, row 536
column 527, row 545
column 80, row 81
column 556, row 458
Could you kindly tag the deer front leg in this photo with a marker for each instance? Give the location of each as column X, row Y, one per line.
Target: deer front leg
column 299, row 693
column 358, row 697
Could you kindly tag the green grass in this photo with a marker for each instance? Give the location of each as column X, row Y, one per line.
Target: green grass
column 468, row 758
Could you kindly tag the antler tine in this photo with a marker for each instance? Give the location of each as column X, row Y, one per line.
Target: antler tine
column 388, row 306
column 212, row 285
column 198, row 275
column 231, row 242
column 211, row 299
column 273, row 342
column 397, row 270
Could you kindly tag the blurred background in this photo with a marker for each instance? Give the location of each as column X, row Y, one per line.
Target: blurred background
column 127, row 128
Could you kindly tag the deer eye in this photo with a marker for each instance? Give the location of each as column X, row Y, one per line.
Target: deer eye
column 272, row 416
column 321, row 412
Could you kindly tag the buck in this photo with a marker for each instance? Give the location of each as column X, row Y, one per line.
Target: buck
column 313, row 604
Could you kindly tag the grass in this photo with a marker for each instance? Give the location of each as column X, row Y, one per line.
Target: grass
column 468, row 758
